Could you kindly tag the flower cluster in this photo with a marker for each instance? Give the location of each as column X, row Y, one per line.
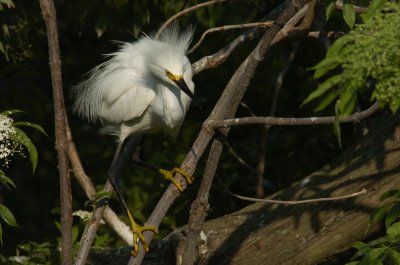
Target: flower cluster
column 7, row 146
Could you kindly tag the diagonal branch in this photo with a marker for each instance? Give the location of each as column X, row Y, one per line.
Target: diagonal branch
column 49, row 16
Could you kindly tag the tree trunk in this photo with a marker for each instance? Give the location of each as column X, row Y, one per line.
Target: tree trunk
column 264, row 233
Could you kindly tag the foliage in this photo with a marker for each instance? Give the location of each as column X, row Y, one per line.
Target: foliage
column 366, row 58
column 386, row 249
column 12, row 139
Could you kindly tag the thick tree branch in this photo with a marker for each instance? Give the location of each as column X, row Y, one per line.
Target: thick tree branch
column 49, row 16
column 225, row 107
column 356, row 117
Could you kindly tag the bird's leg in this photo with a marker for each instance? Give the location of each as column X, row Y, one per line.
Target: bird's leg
column 122, row 155
column 168, row 174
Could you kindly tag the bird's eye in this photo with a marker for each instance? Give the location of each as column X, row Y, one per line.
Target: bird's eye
column 168, row 74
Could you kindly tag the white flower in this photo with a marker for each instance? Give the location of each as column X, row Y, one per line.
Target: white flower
column 7, row 146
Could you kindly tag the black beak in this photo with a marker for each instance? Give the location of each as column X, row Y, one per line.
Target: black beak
column 184, row 87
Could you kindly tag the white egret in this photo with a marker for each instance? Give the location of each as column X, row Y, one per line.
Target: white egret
column 145, row 87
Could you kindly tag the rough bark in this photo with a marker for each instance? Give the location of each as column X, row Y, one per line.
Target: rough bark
column 297, row 234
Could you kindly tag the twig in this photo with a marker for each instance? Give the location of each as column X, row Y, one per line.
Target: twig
column 225, row 107
column 216, row 59
column 110, row 216
column 236, row 155
column 329, row 34
column 229, row 27
column 49, row 16
column 244, row 198
column 293, row 121
column 184, row 12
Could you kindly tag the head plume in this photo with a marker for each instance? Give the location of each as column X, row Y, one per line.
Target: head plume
column 173, row 36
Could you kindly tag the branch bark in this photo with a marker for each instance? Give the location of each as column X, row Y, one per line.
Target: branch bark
column 49, row 16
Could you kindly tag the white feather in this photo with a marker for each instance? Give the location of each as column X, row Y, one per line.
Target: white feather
column 130, row 93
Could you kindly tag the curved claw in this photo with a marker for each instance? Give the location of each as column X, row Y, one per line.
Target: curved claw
column 137, row 231
column 169, row 175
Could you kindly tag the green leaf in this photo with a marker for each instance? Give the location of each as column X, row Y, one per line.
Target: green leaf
column 74, row 234
column 329, row 9
column 32, row 125
column 394, row 230
column 394, row 255
column 323, row 88
column 379, row 214
column 324, row 66
column 23, row 139
column 372, row 256
column 390, row 193
column 337, row 131
column 7, row 216
column 327, row 100
column 347, row 102
column 6, row 181
column 349, row 15
column 11, row 112
column 338, row 45
column 392, row 214
column 375, row 6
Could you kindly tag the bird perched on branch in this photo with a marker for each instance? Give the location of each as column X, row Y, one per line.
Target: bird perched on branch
column 145, row 87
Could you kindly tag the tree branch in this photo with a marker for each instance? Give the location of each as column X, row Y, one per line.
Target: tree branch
column 122, row 230
column 49, row 16
column 184, row 12
column 229, row 27
column 292, row 121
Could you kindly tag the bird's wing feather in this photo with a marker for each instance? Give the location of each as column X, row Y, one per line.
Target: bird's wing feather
column 125, row 96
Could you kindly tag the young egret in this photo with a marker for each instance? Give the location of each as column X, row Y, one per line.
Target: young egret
column 145, row 87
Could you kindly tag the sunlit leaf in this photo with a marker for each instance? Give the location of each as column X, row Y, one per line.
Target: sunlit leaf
column 323, row 88
column 329, row 9
column 349, row 15
column 7, row 216
column 394, row 255
column 372, row 256
column 10, row 112
column 392, row 214
column 332, row 94
column 324, row 66
column 337, row 46
column 375, row 6
column 394, row 230
column 23, row 139
column 347, row 102
column 379, row 214
column 32, row 125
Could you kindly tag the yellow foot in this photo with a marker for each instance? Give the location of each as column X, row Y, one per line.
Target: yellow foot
column 170, row 176
column 137, row 231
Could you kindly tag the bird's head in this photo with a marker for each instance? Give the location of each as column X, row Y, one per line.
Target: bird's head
column 168, row 61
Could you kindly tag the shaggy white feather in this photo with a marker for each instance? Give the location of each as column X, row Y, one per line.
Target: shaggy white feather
column 131, row 94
